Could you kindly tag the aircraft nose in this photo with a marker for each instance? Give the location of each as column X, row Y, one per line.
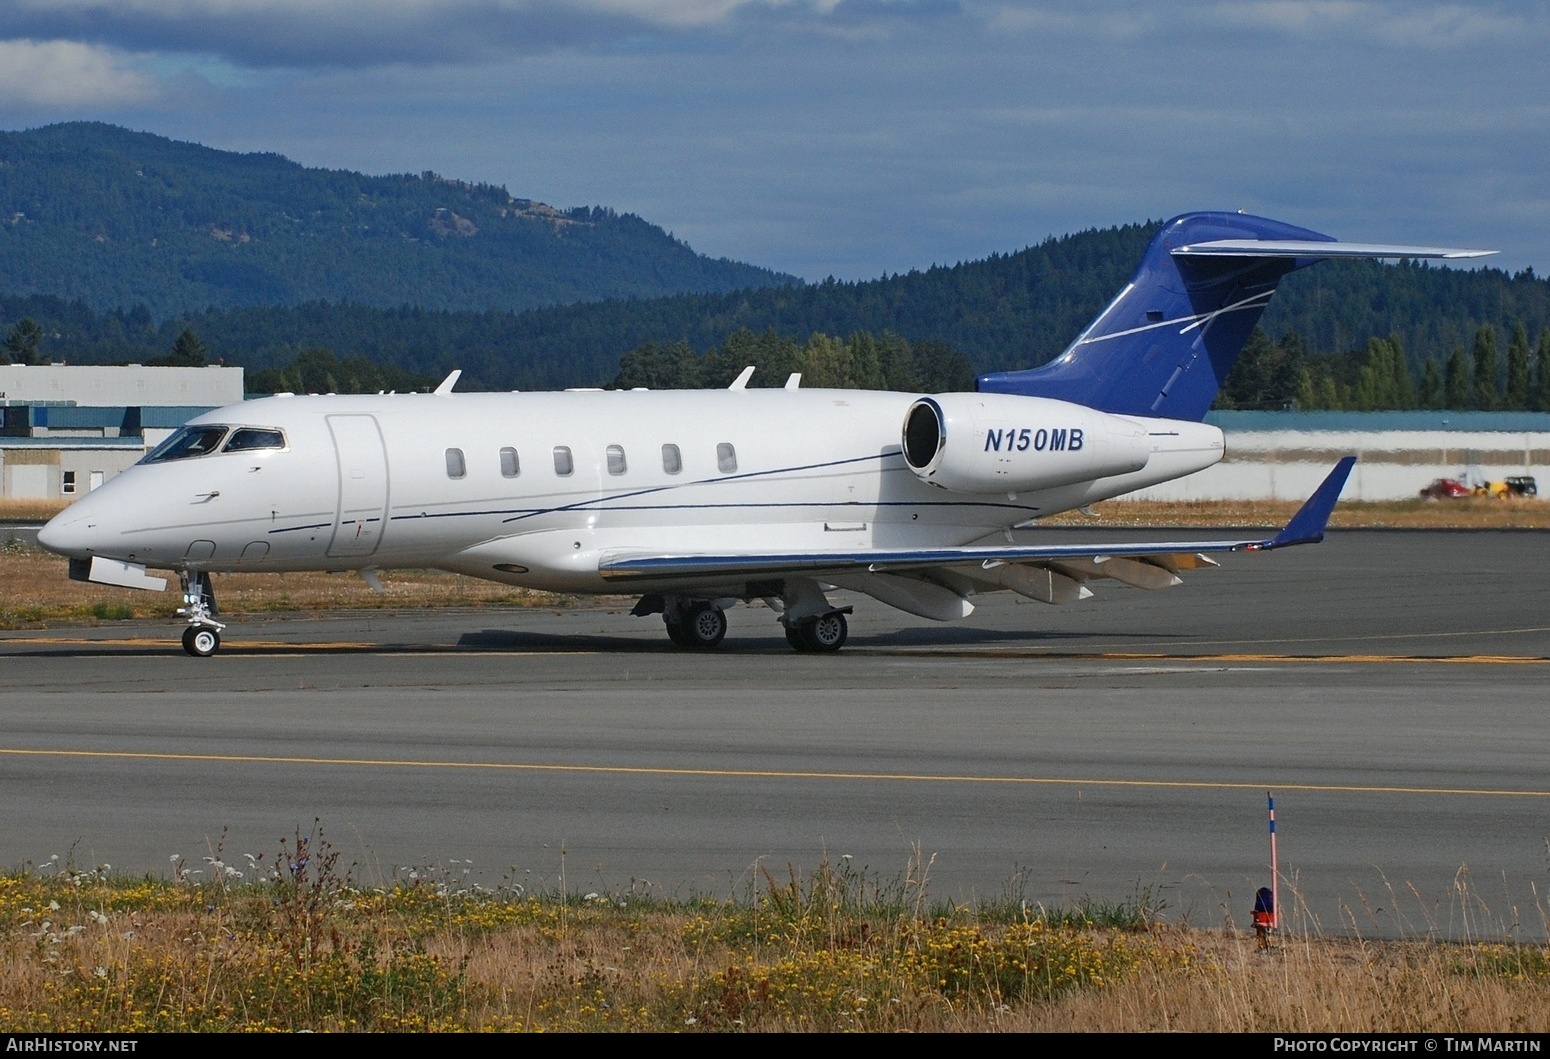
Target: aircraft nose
column 72, row 532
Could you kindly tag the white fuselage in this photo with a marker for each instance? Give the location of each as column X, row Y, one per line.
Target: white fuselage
column 534, row 489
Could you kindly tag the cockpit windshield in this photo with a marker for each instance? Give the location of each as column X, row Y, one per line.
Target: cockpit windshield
column 188, row 443
column 194, row 441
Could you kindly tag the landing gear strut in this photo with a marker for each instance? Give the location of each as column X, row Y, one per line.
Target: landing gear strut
column 202, row 638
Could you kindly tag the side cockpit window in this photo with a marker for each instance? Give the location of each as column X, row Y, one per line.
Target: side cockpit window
column 187, row 444
column 255, row 439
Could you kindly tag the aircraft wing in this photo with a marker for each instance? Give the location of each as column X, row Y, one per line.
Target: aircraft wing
column 935, row 582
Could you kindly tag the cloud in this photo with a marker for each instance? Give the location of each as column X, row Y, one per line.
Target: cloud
column 1394, row 24
column 63, row 74
column 356, row 33
column 852, row 137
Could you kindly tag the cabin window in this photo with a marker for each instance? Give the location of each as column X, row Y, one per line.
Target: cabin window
column 510, row 468
column 616, row 464
column 726, row 458
column 253, row 439
column 67, row 483
column 672, row 459
column 456, row 465
column 564, row 466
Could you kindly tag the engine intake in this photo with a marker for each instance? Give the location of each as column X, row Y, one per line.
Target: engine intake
column 995, row 443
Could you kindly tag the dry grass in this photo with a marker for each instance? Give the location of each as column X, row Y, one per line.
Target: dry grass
column 1472, row 513
column 38, row 590
column 285, row 943
column 12, row 510
column 1321, row 985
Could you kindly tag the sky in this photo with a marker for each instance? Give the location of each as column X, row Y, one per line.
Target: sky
column 853, row 138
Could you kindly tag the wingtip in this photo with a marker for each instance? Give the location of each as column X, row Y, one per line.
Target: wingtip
column 1307, row 526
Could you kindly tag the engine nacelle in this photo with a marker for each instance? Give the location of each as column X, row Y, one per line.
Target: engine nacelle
column 1003, row 443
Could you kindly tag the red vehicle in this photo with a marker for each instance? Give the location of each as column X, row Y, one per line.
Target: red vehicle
column 1445, row 489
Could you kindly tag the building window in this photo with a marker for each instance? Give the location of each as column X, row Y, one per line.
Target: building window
column 510, row 468
column 456, row 466
column 563, row 464
column 67, row 483
column 672, row 460
column 726, row 458
column 616, row 464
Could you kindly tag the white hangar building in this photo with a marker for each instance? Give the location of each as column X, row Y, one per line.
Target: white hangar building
column 66, row 429
column 1285, row 455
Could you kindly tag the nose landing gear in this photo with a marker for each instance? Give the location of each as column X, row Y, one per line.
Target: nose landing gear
column 202, row 638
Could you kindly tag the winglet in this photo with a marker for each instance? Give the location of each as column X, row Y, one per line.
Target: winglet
column 1307, row 526
column 447, row 383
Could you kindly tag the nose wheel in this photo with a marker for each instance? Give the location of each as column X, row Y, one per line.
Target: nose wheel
column 201, row 641
column 202, row 638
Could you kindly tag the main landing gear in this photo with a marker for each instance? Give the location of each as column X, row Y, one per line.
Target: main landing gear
column 202, row 638
column 698, row 624
column 811, row 622
column 824, row 633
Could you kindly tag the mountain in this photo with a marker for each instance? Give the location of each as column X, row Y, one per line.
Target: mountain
column 116, row 219
column 115, row 241
column 1006, row 311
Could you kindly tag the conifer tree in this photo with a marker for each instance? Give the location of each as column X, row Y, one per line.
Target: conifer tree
column 1456, row 386
column 1517, row 369
column 188, row 351
column 1541, row 397
column 1487, row 389
column 25, row 338
column 1431, row 384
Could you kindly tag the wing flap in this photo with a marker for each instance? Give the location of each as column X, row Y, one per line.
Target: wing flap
column 914, row 595
column 1039, row 582
column 1137, row 573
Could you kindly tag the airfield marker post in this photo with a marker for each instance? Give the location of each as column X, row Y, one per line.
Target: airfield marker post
column 1266, row 900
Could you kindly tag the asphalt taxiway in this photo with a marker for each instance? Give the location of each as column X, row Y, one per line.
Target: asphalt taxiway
column 1388, row 687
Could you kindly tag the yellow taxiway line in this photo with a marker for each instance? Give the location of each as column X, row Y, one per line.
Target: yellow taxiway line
column 274, row 648
column 642, row 770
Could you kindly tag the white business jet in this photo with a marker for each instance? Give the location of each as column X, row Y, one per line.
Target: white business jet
column 697, row 499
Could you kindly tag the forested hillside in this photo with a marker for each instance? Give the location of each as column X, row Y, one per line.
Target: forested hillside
column 119, row 219
column 1341, row 334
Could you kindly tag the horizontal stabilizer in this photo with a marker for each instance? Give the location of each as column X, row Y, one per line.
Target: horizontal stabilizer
column 1313, row 248
column 1164, row 345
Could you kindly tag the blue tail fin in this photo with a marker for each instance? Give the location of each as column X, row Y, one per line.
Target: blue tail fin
column 1163, row 347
